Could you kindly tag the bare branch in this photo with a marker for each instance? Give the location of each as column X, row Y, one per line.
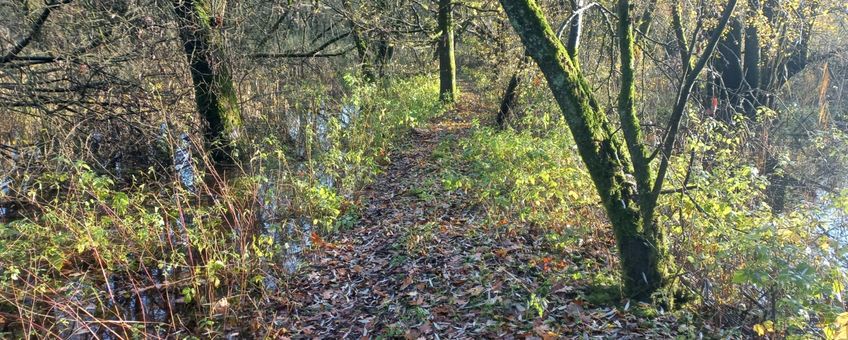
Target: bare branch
column 34, row 29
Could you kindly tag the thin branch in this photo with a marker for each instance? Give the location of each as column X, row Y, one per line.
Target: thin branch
column 311, row 54
column 682, row 46
column 302, row 55
column 34, row 29
column 576, row 14
column 683, row 97
column 273, row 29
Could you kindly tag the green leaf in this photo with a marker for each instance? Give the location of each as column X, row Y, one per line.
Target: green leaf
column 741, row 276
column 120, row 201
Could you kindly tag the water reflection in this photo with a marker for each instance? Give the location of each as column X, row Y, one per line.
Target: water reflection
column 292, row 233
column 299, row 231
column 5, row 192
column 348, row 114
column 832, row 218
column 147, row 298
column 287, row 228
column 183, row 163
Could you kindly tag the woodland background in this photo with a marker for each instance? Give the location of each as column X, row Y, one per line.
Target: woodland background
column 261, row 168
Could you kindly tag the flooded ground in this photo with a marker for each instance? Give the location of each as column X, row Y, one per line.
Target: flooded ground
column 147, row 299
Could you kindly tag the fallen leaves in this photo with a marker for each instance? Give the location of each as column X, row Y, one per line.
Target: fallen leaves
column 476, row 291
column 221, row 306
column 406, row 282
column 460, row 280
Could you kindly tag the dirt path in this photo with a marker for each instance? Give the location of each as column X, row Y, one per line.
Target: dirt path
column 421, row 262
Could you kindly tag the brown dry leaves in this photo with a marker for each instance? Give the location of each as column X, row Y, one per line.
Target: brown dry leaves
column 464, row 280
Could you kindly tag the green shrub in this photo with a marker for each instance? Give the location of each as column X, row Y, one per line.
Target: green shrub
column 532, row 177
column 88, row 252
column 777, row 273
column 778, row 268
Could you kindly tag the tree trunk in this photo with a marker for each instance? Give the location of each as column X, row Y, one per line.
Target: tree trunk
column 385, row 49
column 385, row 52
column 750, row 100
column 646, row 20
column 729, row 66
column 776, row 190
column 601, row 150
column 215, row 96
column 359, row 43
column 447, row 62
column 619, row 169
column 573, row 43
column 508, row 102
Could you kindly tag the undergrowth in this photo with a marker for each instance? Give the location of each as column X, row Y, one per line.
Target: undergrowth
column 172, row 257
column 751, row 272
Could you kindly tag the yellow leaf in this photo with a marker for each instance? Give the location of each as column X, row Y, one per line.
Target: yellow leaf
column 763, row 328
column 838, row 287
column 760, row 329
column 769, row 326
column 824, row 245
column 829, row 333
column 842, row 320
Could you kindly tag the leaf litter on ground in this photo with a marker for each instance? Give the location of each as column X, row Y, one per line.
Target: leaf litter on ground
column 415, row 267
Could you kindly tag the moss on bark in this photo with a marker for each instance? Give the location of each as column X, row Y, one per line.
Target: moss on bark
column 447, row 61
column 642, row 257
column 215, row 95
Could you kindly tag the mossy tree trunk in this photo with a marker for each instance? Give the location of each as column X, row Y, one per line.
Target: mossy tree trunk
column 619, row 168
column 447, row 61
column 215, row 95
column 359, row 42
column 385, row 48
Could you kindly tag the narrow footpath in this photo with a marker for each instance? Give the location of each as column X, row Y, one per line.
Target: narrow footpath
column 421, row 262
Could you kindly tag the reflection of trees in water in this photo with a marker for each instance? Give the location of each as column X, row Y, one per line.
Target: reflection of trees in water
column 287, row 228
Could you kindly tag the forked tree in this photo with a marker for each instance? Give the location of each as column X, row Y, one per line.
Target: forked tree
column 619, row 163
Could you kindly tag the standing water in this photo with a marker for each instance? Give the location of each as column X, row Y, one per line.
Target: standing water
column 291, row 230
column 183, row 163
column 5, row 191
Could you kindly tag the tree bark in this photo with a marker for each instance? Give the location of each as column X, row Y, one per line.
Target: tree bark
column 359, row 43
column 507, row 108
column 776, row 189
column 215, row 95
column 599, row 147
column 729, row 66
column 619, row 170
column 750, row 100
column 385, row 49
column 447, row 62
column 508, row 101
